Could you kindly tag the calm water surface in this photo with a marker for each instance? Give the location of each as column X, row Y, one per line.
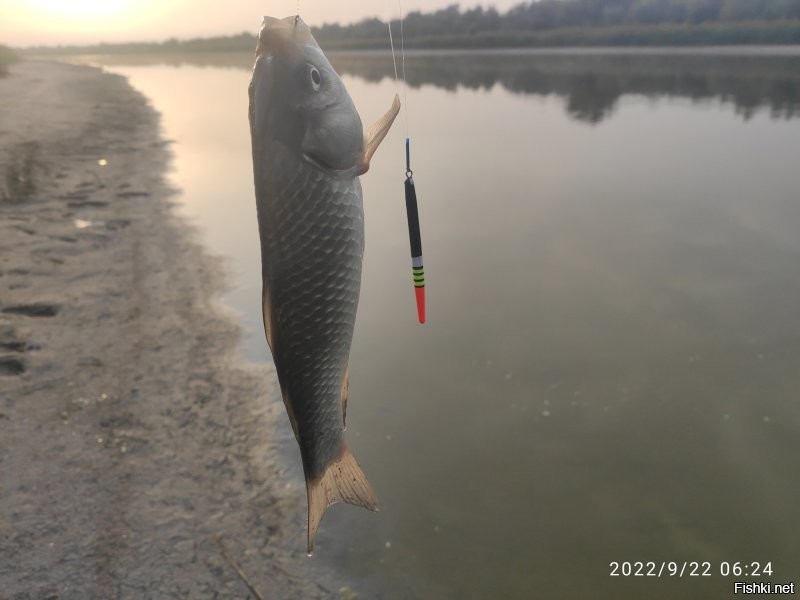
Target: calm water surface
column 611, row 368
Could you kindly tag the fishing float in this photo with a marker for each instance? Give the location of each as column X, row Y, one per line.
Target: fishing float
column 412, row 208
column 414, row 237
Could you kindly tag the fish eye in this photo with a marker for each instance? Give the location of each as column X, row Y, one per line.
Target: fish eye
column 316, row 78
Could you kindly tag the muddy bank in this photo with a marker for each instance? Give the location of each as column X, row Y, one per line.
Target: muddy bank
column 131, row 439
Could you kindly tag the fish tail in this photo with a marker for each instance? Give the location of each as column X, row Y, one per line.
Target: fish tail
column 342, row 481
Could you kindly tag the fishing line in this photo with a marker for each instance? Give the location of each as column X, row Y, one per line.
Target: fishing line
column 412, row 209
column 391, row 43
column 403, row 59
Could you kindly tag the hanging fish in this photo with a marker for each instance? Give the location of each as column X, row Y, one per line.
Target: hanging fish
column 308, row 150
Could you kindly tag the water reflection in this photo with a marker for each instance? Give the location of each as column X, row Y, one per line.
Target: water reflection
column 591, row 83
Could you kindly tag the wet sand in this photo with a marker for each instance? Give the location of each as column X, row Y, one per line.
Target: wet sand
column 132, row 440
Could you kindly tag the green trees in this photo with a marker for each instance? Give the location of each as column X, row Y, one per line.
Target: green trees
column 561, row 22
column 539, row 23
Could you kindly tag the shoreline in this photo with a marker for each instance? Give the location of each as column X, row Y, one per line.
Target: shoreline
column 132, row 437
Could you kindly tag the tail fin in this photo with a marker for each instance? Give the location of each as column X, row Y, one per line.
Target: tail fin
column 342, row 481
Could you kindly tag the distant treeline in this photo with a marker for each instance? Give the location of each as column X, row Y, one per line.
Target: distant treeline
column 584, row 23
column 542, row 23
column 243, row 42
column 7, row 56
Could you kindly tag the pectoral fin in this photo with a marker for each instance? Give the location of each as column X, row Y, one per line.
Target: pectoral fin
column 375, row 134
column 269, row 329
column 266, row 313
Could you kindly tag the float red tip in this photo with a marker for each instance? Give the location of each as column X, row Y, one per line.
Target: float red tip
column 419, row 292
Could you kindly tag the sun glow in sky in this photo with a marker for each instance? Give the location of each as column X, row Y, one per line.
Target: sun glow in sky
column 29, row 22
column 50, row 22
column 81, row 9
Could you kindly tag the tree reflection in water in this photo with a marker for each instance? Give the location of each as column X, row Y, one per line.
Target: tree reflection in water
column 591, row 81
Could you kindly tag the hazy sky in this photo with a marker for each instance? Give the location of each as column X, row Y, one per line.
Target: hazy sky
column 34, row 22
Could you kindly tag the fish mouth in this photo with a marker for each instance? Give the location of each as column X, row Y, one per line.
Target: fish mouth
column 280, row 35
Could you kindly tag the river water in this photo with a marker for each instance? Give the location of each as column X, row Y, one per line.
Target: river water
column 611, row 367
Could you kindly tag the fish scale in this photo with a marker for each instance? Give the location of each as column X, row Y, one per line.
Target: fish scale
column 319, row 229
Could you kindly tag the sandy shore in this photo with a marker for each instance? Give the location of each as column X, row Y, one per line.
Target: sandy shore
column 131, row 440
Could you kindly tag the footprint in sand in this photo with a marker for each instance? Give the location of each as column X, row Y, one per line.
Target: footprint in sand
column 32, row 310
column 87, row 204
column 10, row 365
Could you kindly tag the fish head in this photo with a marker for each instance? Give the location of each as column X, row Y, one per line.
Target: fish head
column 298, row 99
